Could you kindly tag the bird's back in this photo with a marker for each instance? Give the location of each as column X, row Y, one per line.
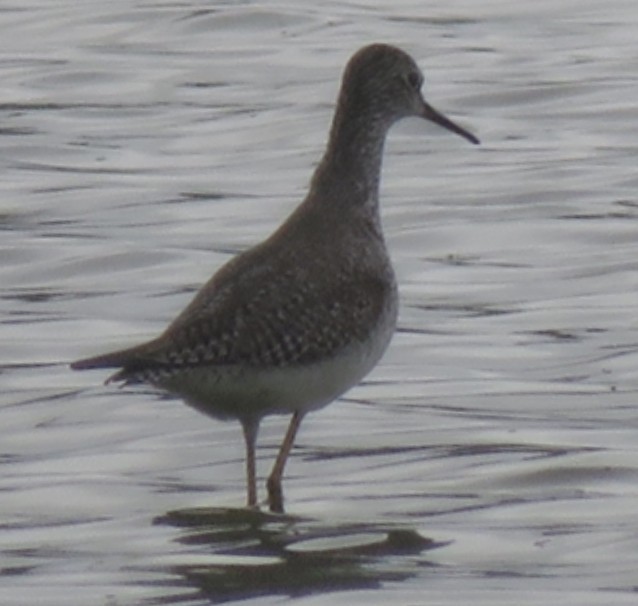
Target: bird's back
column 294, row 300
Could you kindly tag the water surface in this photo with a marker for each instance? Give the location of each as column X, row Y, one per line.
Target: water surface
column 491, row 457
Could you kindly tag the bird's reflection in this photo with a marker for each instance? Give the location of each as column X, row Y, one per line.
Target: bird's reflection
column 255, row 553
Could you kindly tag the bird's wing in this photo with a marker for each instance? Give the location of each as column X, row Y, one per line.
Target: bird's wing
column 267, row 315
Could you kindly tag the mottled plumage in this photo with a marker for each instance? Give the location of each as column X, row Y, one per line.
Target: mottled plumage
column 289, row 325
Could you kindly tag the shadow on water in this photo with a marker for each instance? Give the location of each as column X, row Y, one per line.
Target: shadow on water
column 251, row 553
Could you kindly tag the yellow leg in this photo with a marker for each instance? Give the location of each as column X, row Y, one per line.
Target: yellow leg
column 275, row 493
column 250, row 428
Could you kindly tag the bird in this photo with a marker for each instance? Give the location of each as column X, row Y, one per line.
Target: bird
column 289, row 325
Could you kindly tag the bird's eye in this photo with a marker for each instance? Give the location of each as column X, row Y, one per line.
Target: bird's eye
column 414, row 80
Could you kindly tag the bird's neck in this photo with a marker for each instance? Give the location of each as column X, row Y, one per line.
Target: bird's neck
column 351, row 166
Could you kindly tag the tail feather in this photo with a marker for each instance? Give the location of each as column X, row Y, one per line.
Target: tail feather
column 131, row 362
column 110, row 360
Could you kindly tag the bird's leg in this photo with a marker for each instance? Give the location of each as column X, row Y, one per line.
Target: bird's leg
column 250, row 427
column 275, row 493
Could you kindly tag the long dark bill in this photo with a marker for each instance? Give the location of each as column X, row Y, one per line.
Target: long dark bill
column 429, row 113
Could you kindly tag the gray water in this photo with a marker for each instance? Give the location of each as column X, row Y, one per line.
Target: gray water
column 492, row 456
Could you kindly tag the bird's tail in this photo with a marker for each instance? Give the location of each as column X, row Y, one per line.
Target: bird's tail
column 114, row 359
column 131, row 361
